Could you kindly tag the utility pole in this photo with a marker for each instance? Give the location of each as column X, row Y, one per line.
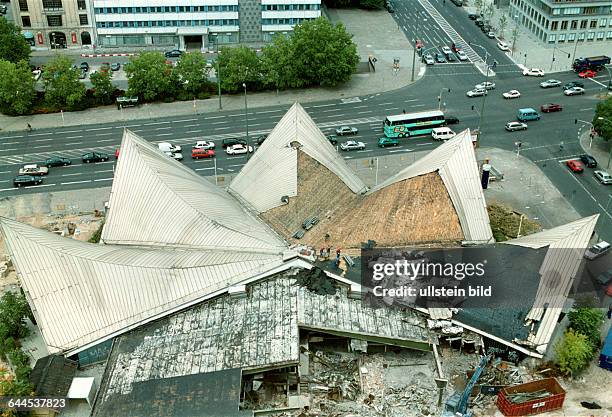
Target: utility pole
column 413, row 60
column 218, row 72
column 246, row 116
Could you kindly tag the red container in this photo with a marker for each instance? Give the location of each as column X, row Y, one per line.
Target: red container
column 539, row 405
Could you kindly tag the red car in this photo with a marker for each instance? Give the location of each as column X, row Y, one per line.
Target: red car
column 547, row 108
column 587, row 74
column 575, row 166
column 202, row 153
column 117, row 153
column 609, row 290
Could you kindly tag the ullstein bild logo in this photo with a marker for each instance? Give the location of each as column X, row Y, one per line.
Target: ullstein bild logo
column 503, row 276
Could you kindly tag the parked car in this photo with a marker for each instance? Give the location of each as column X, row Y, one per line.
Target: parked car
column 462, row 56
column 332, row 139
column 33, row 169
column 168, row 147
column 199, row 153
column 57, row 161
column 491, row 34
column 473, row 16
column 573, row 84
column 238, row 149
column 477, row 92
column 550, row 83
column 105, row 67
column 550, row 107
column 115, row 66
column 451, row 120
column 587, row 74
column 597, row 250
column 533, row 72
column 384, row 142
column 603, row 177
column 479, row 22
column 428, row 59
column 117, row 153
column 175, row 53
column 346, row 130
column 175, row 155
column 574, row 91
column 233, row 141
column 446, row 50
column 84, row 66
column 511, row 94
column 3, row 9
column 588, row 160
column 260, row 139
column 489, row 85
column 450, row 58
column 204, row 144
column 24, row 180
column 95, row 157
column 352, row 145
column 512, row 126
column 575, row 166
column 440, row 58
column 503, row 46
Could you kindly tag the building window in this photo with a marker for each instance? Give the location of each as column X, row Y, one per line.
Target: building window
column 571, row 37
column 574, row 24
column 552, row 38
column 83, row 19
column 600, row 35
column 556, row 11
column 81, row 5
column 581, row 36
column 609, row 35
column 591, row 36
column 54, row 20
column 564, row 25
column 583, row 24
column 554, row 25
column 25, row 21
column 602, row 22
column 23, row 5
column 562, row 38
column 593, row 24
column 52, row 4
column 572, row 10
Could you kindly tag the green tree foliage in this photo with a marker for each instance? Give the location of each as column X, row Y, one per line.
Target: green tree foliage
column 191, row 70
column 150, row 77
column 372, row 4
column 587, row 321
column 63, row 89
column 13, row 311
column 95, row 238
column 103, row 86
column 17, row 91
column 280, row 69
column 478, row 4
column 573, row 353
column 503, row 23
column 13, row 46
column 603, row 126
column 323, row 53
column 516, row 33
column 240, row 65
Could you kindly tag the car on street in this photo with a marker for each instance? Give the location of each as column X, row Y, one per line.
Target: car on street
column 450, row 58
column 24, row 180
column 199, row 153
column 105, row 67
column 513, row 126
column 503, row 46
column 33, row 169
column 346, row 130
column 573, row 84
column 446, row 50
column 491, row 34
column 332, row 139
column 384, row 142
column 575, row 166
column 451, row 120
column 260, row 139
column 168, row 147
column 587, row 74
column 84, row 66
column 487, row 85
column 440, row 58
column 57, row 161
column 352, row 145
column 175, row 53
column 511, row 94
column 462, row 56
column 175, row 155
column 551, row 107
column 477, row 92
column 115, row 66
column 574, row 91
column 603, row 177
column 204, row 144
column 442, row 133
column 550, row 83
column 588, row 160
column 473, row 16
column 479, row 22
column 486, row 28
column 238, row 149
column 233, row 141
column 428, row 59
column 533, row 72
column 95, row 157
column 597, row 250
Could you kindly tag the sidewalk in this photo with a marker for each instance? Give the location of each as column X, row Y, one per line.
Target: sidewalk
column 382, row 40
column 597, row 148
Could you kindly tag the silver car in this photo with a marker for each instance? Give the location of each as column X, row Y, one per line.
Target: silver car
column 462, row 56
column 477, row 92
column 550, row 83
column 487, row 84
column 603, row 177
column 346, row 130
column 352, row 145
column 429, row 59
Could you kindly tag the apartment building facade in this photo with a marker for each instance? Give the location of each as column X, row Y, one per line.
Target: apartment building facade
column 565, row 21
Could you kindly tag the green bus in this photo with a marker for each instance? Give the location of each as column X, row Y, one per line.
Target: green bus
column 412, row 124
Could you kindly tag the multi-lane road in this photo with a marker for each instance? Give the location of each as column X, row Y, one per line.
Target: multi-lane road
column 540, row 143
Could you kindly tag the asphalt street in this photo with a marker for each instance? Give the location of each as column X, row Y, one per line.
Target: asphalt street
column 540, row 142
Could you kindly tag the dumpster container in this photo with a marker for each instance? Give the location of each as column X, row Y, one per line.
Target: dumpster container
column 531, row 398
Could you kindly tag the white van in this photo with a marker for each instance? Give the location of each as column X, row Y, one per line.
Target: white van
column 168, row 147
column 442, row 133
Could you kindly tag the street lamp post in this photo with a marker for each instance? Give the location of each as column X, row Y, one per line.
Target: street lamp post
column 484, row 97
column 218, row 70
column 246, row 117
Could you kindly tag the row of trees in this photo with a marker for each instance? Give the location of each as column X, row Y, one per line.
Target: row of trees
column 364, row 4
column 602, row 122
column 581, row 341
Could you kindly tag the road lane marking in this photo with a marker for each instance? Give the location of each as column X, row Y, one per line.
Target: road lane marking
column 42, row 140
column 103, row 179
column 8, row 189
column 73, row 137
column 74, row 143
column 163, row 128
column 71, row 175
column 74, row 182
column 100, row 128
column 186, row 120
column 155, row 123
column 324, row 105
column 166, row 134
column 204, row 169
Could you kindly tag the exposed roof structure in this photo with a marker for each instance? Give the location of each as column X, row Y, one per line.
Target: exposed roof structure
column 272, row 172
column 157, row 201
column 52, row 376
column 455, row 162
column 82, row 293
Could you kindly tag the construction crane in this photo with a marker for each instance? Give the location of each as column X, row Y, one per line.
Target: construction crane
column 457, row 404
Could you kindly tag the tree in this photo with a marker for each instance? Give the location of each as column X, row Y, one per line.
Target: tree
column 323, row 53
column 192, row 72
column 13, row 311
column 63, row 88
column 17, row 92
column 573, row 352
column 150, row 77
column 603, row 126
column 489, row 11
column 587, row 321
column 478, row 4
column 279, row 67
column 13, row 46
column 515, row 36
column 240, row 65
column 503, row 22
column 372, row 4
column 102, row 86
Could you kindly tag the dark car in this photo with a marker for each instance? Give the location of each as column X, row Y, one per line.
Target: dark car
column 450, row 58
column 84, row 66
column 588, row 160
column 390, row 9
column 57, row 161
column 573, row 84
column 479, row 22
column 332, row 139
column 451, row 120
column 233, row 141
column 260, row 139
column 82, row 74
column 550, row 107
column 115, row 66
column 440, row 58
column 23, row 180
column 175, row 53
column 95, row 157
column 473, row 16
